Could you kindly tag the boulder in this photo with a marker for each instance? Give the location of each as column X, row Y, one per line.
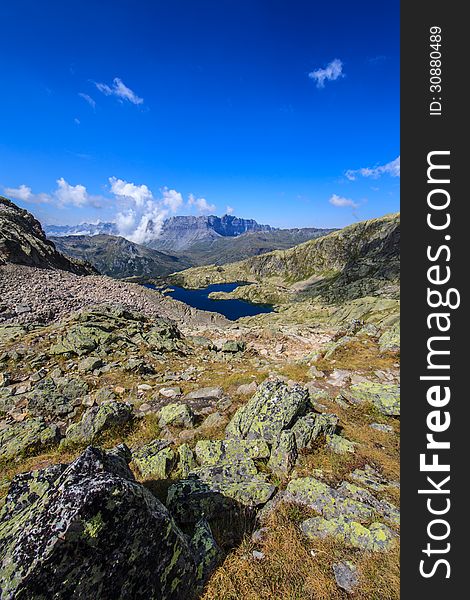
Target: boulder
column 56, row 397
column 177, row 415
column 273, row 408
column 233, row 346
column 325, row 500
column 339, row 444
column 186, row 461
column 97, row 420
column 214, row 490
column 27, row 437
column 154, row 460
column 89, row 530
column 212, row 452
column 384, row 396
column 284, row 455
column 306, row 429
column 247, row 388
column 375, row 538
column 389, row 341
column 206, row 393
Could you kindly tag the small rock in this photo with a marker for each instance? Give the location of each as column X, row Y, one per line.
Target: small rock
column 247, row 388
column 206, row 393
column 339, row 377
column 89, row 364
column 259, row 535
column 170, row 392
column 346, row 576
column 120, row 390
column 314, row 372
column 382, row 427
column 144, row 387
column 144, row 408
column 340, row 445
column 257, row 555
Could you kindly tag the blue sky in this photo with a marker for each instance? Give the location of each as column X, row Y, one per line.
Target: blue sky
column 283, row 111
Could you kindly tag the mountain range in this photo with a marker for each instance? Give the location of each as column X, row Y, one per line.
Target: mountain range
column 183, row 241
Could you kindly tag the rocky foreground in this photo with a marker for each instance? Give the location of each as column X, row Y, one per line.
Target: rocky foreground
column 136, row 460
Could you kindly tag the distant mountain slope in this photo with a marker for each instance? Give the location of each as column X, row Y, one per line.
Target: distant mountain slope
column 117, row 257
column 180, row 233
column 23, row 242
column 359, row 260
column 222, row 250
column 81, row 229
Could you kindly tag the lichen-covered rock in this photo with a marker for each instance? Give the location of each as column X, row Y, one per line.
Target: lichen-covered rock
column 213, row 490
column 177, row 415
column 273, row 408
column 89, row 530
column 383, row 507
column 325, row 500
column 90, row 363
column 211, row 452
column 56, row 397
column 339, row 444
column 206, row 551
column 384, row 396
column 186, row 461
column 18, row 439
column 284, row 455
column 154, row 460
column 375, row 538
column 233, row 346
column 98, row 419
column 306, row 429
column 389, row 341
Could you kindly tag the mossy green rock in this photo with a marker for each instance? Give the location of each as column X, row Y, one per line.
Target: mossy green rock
column 56, row 397
column 306, row 429
column 375, row 538
column 89, row 530
column 213, row 490
column 186, row 461
column 284, row 455
column 340, row 445
column 27, row 437
column 154, row 460
column 273, row 408
column 326, row 500
column 177, row 415
column 389, row 341
column 98, row 419
column 384, row 396
column 211, row 452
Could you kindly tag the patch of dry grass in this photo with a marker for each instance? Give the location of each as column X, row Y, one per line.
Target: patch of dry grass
column 358, row 355
column 294, row 568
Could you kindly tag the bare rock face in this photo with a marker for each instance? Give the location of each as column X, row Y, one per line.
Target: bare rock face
column 90, row 530
column 23, row 242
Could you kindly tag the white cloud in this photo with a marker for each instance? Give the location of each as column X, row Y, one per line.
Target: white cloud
column 88, row 99
column 229, row 210
column 138, row 193
column 392, row 168
column 341, row 202
column 64, row 195
column 172, row 199
column 120, row 90
column 332, row 71
column 22, row 192
column 201, row 204
column 76, row 121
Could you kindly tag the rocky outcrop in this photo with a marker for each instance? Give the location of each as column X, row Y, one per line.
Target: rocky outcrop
column 23, row 242
column 89, row 530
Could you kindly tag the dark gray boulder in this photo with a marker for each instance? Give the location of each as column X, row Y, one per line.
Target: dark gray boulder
column 89, row 530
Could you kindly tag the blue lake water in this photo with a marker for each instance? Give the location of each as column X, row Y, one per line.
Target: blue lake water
column 232, row 309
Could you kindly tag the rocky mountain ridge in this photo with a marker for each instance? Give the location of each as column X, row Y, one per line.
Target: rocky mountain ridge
column 23, row 242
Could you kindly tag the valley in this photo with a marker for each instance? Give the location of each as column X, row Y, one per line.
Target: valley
column 212, row 457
